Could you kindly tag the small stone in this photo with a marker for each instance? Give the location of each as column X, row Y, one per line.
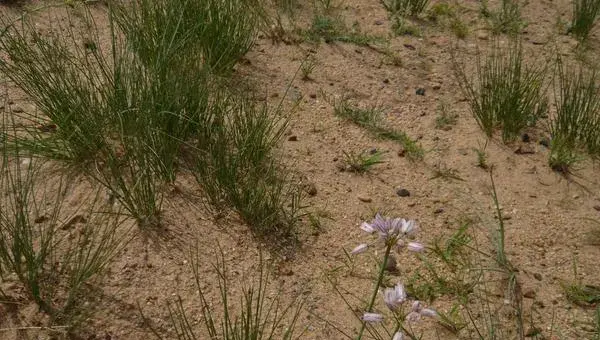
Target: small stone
column 545, row 142
column 533, row 331
column 410, row 47
column 525, row 138
column 378, row 22
column 597, row 207
column 313, row 95
column 420, row 91
column 402, row 152
column 438, row 211
column 311, row 189
column 537, row 276
column 530, row 294
column 386, row 81
column 41, row 219
column 391, row 264
column 17, row 109
column 402, row 192
column 482, row 36
column 365, row 199
column 373, row 151
column 437, row 87
column 293, row 138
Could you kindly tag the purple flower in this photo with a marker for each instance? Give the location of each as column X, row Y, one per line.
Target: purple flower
column 398, row 336
column 361, row 248
column 415, row 247
column 417, row 310
column 372, row 317
column 394, row 297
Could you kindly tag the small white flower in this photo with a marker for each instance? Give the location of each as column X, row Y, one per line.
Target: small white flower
column 372, row 317
column 415, row 247
column 398, row 336
column 408, row 227
column 367, row 227
column 361, row 248
column 394, row 297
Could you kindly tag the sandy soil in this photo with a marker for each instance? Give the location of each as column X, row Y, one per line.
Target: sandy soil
column 547, row 226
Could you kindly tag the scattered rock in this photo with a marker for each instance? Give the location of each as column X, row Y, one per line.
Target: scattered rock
column 438, row 211
column 378, row 22
column 402, row 192
column 411, row 204
column 365, row 199
column 391, row 264
column 402, row 152
column 420, row 91
column 293, row 138
column 533, row 331
column 545, row 142
column 386, row 81
column 525, row 138
column 17, row 109
column 597, row 207
column 47, row 128
column 529, row 293
column 410, row 47
column 311, row 189
column 41, row 219
column 437, row 87
column 537, row 276
column 313, row 95
column 373, row 151
column 482, row 36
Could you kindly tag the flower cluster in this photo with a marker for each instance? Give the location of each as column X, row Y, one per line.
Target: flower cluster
column 392, row 232
column 394, row 299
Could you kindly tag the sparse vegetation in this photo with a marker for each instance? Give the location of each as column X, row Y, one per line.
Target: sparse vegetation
column 585, row 14
column 405, row 7
column 506, row 93
column 331, row 29
column 363, row 161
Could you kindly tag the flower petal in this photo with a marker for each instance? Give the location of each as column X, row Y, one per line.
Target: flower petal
column 408, row 227
column 361, row 248
column 413, row 317
column 372, row 317
column 367, row 227
column 415, row 247
column 398, row 336
column 428, row 312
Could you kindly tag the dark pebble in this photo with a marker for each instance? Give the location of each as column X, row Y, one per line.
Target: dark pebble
column 386, row 81
column 537, row 276
column 525, row 138
column 373, row 151
column 313, row 95
column 410, row 47
column 402, row 192
column 597, row 207
column 420, row 91
column 378, row 22
column 438, row 211
column 41, row 219
column 545, row 142
column 437, row 87
column 311, row 189
column 293, row 138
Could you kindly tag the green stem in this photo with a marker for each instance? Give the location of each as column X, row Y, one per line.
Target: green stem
column 376, row 290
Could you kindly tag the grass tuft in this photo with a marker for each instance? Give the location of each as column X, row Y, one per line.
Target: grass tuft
column 585, row 14
column 405, row 7
column 506, row 93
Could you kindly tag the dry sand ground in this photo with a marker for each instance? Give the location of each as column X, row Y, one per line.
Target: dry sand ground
column 546, row 229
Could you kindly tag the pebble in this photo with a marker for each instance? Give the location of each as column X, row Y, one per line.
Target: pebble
column 402, row 152
column 293, row 138
column 437, row 87
column 597, row 207
column 41, row 219
column 530, row 294
column 402, row 192
column 545, row 142
column 438, row 211
column 537, row 276
column 533, row 331
column 365, row 199
column 17, row 109
column 525, row 138
column 311, row 189
column 420, row 91
column 313, row 95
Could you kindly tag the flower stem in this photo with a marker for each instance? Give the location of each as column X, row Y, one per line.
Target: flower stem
column 376, row 290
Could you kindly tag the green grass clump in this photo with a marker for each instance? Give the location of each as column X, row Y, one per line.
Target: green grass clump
column 373, row 121
column 506, row 19
column 506, row 93
column 255, row 314
column 362, row 162
column 405, row 7
column 576, row 125
column 585, row 14
column 54, row 256
column 332, row 29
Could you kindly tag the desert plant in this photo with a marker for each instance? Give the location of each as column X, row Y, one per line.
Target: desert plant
column 53, row 255
column 254, row 317
column 576, row 124
column 585, row 13
column 372, row 120
column 506, row 93
column 363, row 161
column 331, row 29
column 405, row 7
